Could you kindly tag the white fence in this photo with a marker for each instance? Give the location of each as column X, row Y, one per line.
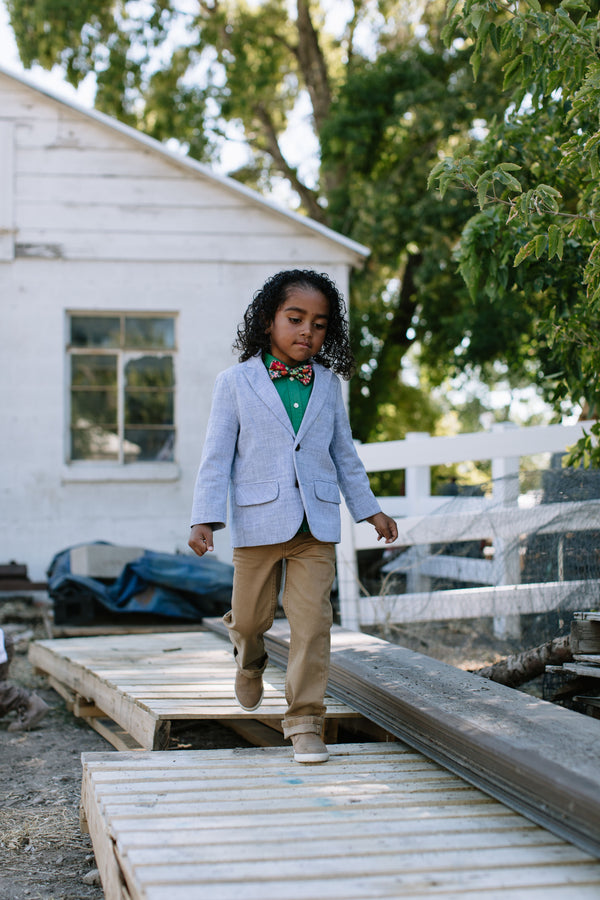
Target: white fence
column 498, row 519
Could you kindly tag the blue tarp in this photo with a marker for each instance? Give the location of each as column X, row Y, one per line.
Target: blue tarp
column 165, row 584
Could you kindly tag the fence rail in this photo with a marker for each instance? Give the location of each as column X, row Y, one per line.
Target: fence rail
column 424, row 520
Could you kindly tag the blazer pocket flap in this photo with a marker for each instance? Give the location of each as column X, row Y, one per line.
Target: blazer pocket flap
column 254, row 493
column 327, row 490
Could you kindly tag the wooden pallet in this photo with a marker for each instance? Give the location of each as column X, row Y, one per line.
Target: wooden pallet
column 131, row 687
column 378, row 820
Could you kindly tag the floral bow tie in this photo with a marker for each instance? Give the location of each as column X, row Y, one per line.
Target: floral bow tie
column 303, row 374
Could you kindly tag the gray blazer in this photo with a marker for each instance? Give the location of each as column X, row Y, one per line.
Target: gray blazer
column 273, row 476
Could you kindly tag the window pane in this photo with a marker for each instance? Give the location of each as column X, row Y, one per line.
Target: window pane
column 148, row 407
column 95, row 331
column 157, row 333
column 93, row 407
column 136, row 383
column 150, row 372
column 93, row 371
column 94, row 443
column 149, row 444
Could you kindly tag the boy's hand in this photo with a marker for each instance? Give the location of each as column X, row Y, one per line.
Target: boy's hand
column 385, row 527
column 201, row 539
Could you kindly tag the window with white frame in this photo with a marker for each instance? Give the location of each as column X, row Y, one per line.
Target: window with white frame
column 122, row 387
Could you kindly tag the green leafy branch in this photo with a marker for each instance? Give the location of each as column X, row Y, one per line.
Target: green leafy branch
column 540, row 162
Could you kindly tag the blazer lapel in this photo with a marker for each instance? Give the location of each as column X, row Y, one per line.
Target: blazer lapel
column 260, row 381
column 318, row 396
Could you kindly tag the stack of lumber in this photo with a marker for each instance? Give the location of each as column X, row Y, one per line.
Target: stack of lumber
column 540, row 759
column 577, row 683
column 378, row 820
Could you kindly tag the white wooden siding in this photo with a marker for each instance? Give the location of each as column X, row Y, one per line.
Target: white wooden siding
column 83, row 191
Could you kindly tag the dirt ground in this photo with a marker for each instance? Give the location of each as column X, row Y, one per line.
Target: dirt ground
column 43, row 853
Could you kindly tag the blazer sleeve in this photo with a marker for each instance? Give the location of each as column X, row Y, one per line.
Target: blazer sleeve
column 352, row 477
column 209, row 506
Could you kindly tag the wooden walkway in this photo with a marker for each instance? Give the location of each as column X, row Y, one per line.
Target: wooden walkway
column 438, row 813
column 378, row 820
column 131, row 687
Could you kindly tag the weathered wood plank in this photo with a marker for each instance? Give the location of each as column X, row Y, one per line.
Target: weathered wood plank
column 535, row 887
column 150, row 218
column 412, row 831
column 113, row 733
column 221, row 773
column 257, row 733
column 467, row 867
column 121, row 160
column 106, row 860
column 589, row 616
column 130, row 246
column 168, row 189
column 127, row 807
column 589, row 671
column 201, row 788
column 326, row 845
column 148, row 823
column 55, row 127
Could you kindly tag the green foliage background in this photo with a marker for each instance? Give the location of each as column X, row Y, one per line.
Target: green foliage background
column 533, row 248
column 513, row 283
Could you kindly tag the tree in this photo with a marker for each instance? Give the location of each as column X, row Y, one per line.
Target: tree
column 382, row 110
column 409, row 292
column 533, row 248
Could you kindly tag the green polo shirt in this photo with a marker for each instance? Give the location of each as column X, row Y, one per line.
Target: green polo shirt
column 295, row 397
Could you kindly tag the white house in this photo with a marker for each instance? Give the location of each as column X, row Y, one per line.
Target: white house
column 124, row 271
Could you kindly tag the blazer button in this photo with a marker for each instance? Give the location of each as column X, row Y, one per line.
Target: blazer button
column 297, row 448
column 297, row 485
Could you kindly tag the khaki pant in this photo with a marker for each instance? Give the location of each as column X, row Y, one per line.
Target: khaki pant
column 310, row 570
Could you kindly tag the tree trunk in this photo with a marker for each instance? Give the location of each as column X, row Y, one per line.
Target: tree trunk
column 523, row 667
column 313, row 65
column 389, row 362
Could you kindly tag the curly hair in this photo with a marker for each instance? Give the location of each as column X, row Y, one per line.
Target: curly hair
column 252, row 338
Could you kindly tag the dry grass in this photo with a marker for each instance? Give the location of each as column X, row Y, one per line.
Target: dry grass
column 32, row 830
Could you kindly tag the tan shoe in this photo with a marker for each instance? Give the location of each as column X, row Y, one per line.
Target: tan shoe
column 29, row 714
column 309, row 748
column 248, row 691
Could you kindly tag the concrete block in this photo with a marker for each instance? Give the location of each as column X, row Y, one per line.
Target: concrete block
column 102, row 560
